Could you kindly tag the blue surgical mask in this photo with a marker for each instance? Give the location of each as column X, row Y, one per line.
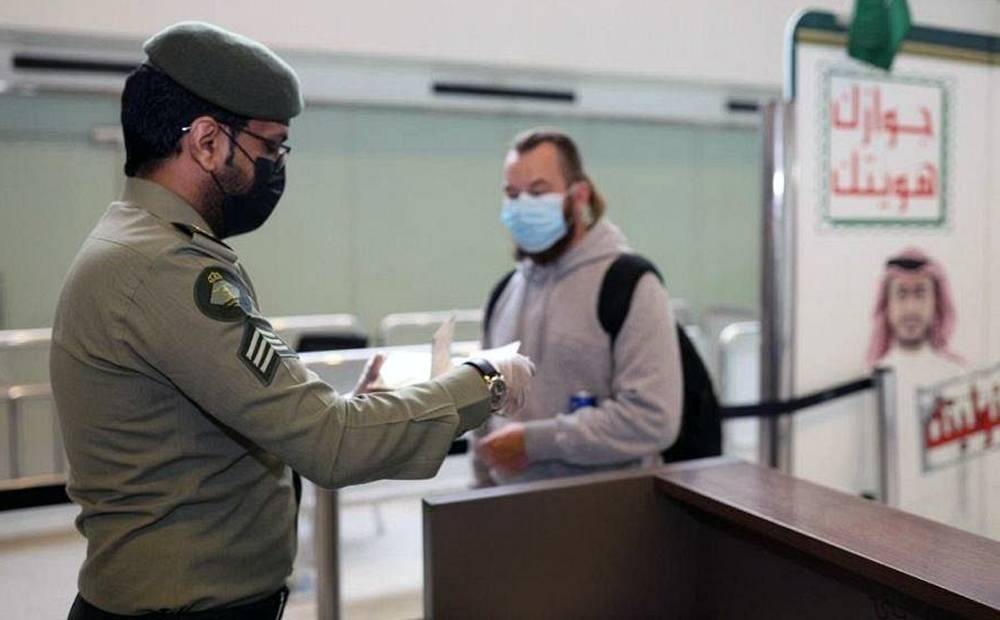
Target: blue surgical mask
column 535, row 222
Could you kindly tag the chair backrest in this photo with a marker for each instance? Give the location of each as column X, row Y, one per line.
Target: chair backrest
column 739, row 383
column 418, row 327
column 31, row 440
column 739, row 358
column 24, row 356
column 321, row 332
column 714, row 319
column 320, row 341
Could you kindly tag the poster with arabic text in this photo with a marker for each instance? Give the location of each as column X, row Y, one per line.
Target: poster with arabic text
column 884, row 149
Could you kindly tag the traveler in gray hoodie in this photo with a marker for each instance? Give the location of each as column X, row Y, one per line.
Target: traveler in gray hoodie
column 565, row 246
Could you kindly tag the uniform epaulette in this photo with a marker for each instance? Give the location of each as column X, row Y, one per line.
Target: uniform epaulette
column 207, row 242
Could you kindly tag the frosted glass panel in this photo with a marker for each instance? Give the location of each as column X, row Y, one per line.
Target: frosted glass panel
column 390, row 210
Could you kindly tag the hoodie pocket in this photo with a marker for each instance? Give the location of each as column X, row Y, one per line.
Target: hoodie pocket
column 576, row 364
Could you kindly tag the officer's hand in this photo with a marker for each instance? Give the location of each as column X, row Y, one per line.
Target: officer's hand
column 369, row 376
column 503, row 449
column 518, row 371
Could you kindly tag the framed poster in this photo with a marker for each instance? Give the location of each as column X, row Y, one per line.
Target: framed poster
column 884, row 145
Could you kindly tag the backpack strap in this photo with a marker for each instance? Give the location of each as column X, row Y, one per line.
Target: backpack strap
column 617, row 289
column 498, row 289
column 614, row 300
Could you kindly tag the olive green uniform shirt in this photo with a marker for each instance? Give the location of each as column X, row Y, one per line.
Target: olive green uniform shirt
column 182, row 411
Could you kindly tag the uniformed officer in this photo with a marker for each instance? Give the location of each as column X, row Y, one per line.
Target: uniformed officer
column 181, row 408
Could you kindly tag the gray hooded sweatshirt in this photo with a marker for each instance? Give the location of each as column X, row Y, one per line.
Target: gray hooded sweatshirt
column 552, row 310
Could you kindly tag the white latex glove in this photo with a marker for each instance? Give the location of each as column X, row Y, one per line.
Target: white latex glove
column 518, row 372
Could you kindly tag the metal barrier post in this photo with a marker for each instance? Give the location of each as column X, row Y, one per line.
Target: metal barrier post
column 327, row 538
column 58, row 454
column 3, row 306
column 888, row 439
column 777, row 280
column 12, row 431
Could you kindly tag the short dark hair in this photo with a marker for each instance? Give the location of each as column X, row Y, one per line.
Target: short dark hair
column 569, row 159
column 154, row 109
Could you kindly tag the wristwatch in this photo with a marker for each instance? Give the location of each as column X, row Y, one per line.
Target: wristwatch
column 495, row 382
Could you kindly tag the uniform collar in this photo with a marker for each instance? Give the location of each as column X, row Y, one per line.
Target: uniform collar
column 163, row 203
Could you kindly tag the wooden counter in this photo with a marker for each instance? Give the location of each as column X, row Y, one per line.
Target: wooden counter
column 706, row 539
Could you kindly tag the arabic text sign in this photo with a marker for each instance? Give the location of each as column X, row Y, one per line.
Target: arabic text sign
column 885, row 157
column 960, row 418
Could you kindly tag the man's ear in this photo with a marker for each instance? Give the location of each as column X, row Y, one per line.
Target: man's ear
column 581, row 191
column 206, row 144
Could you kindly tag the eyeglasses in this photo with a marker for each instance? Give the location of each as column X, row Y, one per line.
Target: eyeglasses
column 278, row 150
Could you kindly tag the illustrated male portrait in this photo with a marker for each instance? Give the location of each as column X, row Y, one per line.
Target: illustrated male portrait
column 914, row 311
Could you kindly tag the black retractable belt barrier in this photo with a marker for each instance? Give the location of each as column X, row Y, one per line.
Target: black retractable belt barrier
column 768, row 409
column 56, row 494
column 771, row 409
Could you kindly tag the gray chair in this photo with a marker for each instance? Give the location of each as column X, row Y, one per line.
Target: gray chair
column 24, row 356
column 321, row 332
column 29, row 427
column 419, row 327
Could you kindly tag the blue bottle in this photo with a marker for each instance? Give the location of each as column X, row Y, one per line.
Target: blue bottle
column 583, row 398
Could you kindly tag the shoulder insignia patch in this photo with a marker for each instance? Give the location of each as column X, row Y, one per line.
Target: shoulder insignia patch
column 221, row 295
column 261, row 350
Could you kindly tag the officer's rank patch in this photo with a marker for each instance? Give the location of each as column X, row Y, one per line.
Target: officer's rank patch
column 262, row 350
column 220, row 295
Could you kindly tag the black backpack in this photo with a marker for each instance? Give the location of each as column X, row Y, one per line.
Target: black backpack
column 701, row 426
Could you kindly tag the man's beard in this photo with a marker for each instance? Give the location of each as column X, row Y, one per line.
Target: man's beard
column 912, row 339
column 228, row 181
column 547, row 256
column 559, row 247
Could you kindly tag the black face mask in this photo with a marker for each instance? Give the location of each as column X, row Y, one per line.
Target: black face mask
column 242, row 213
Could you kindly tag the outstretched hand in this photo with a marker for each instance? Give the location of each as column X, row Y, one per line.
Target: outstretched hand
column 503, row 449
column 369, row 378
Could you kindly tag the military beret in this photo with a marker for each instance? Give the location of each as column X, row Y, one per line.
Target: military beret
column 233, row 72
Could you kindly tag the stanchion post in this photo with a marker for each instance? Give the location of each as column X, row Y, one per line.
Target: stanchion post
column 12, row 434
column 888, row 438
column 777, row 280
column 327, row 537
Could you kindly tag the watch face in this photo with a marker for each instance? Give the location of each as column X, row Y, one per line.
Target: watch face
column 498, row 394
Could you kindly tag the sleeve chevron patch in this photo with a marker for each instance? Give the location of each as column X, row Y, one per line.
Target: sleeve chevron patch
column 261, row 350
